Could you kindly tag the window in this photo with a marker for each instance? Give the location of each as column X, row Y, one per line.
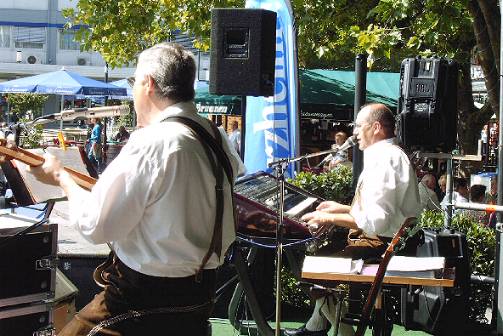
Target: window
column 28, row 37
column 4, row 36
column 67, row 40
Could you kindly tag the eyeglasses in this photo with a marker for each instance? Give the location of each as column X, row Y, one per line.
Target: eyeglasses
column 131, row 81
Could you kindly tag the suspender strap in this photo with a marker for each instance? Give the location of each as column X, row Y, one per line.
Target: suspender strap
column 219, row 166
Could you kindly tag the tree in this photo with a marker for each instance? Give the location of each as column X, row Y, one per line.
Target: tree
column 462, row 30
column 21, row 103
column 121, row 29
column 330, row 33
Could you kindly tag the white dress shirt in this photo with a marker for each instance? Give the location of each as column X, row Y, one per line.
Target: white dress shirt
column 156, row 200
column 387, row 190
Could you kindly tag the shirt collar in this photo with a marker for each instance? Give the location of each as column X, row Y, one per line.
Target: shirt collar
column 182, row 108
column 374, row 151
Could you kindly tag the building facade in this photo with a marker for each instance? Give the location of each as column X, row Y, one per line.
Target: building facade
column 33, row 41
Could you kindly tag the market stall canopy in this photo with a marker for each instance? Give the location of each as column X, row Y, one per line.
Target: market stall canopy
column 123, row 83
column 329, row 94
column 61, row 82
column 207, row 103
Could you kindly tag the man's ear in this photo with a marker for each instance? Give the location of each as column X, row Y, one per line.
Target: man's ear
column 150, row 84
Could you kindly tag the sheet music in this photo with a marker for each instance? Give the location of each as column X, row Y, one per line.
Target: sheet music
column 43, row 192
column 331, row 265
column 414, row 264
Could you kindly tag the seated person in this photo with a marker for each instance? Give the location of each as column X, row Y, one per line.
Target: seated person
column 427, row 195
column 339, row 157
column 122, row 135
column 459, row 195
column 386, row 194
column 477, row 195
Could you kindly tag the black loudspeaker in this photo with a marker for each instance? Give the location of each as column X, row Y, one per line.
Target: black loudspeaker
column 243, row 51
column 438, row 310
column 427, row 105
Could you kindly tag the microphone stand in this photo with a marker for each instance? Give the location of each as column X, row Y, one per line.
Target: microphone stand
column 280, row 168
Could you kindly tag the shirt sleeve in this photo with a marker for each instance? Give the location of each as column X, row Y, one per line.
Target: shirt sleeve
column 117, row 202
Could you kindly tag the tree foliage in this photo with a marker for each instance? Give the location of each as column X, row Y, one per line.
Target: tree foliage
column 330, row 33
column 21, row 103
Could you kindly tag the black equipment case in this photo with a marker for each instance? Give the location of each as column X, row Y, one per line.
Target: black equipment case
column 438, row 310
column 28, row 260
column 26, row 320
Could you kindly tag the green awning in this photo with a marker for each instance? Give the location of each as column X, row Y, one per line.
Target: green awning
column 208, row 103
column 330, row 94
column 324, row 94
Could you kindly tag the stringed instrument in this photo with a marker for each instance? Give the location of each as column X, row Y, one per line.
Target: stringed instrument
column 407, row 229
column 85, row 181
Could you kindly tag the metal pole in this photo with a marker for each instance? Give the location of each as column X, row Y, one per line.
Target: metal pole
column 498, row 269
column 448, row 193
column 360, row 98
column 279, row 243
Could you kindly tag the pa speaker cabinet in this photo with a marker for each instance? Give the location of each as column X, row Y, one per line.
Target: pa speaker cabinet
column 427, row 105
column 438, row 310
column 27, row 266
column 243, row 52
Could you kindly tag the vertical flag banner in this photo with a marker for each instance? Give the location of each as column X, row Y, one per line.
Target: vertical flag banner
column 272, row 123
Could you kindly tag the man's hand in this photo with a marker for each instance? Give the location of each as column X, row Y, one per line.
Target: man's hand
column 332, row 207
column 50, row 172
column 319, row 222
column 11, row 143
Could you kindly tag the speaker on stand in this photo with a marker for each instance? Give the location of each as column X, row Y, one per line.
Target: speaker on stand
column 243, row 54
column 427, row 105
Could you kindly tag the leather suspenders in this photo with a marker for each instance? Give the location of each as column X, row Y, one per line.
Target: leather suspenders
column 220, row 164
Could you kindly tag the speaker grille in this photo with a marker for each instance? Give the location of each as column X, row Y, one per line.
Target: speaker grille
column 243, row 46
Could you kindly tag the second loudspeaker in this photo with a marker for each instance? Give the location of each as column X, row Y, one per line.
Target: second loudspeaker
column 243, row 51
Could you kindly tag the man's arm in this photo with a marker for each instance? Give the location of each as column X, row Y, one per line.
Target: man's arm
column 320, row 222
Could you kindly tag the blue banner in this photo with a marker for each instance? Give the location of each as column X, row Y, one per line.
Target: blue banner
column 272, row 123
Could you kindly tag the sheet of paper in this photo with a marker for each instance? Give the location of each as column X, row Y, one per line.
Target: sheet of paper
column 413, row 264
column 326, row 265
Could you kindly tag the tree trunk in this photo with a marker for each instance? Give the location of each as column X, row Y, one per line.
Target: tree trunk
column 491, row 12
column 485, row 54
column 468, row 125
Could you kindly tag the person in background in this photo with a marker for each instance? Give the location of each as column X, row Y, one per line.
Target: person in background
column 95, row 149
column 122, row 135
column 477, row 195
column 460, row 194
column 341, row 156
column 235, row 136
column 427, row 195
column 156, row 205
column 442, row 184
column 492, row 195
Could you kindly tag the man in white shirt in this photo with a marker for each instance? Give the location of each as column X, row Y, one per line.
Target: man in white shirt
column 156, row 206
column 427, row 194
column 235, row 136
column 385, row 196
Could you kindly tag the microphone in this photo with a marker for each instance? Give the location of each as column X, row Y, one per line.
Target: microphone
column 84, row 112
column 350, row 142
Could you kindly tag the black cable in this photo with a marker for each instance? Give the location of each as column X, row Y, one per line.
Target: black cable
column 8, row 239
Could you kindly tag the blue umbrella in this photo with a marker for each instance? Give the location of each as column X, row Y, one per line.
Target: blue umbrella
column 122, row 83
column 61, row 82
